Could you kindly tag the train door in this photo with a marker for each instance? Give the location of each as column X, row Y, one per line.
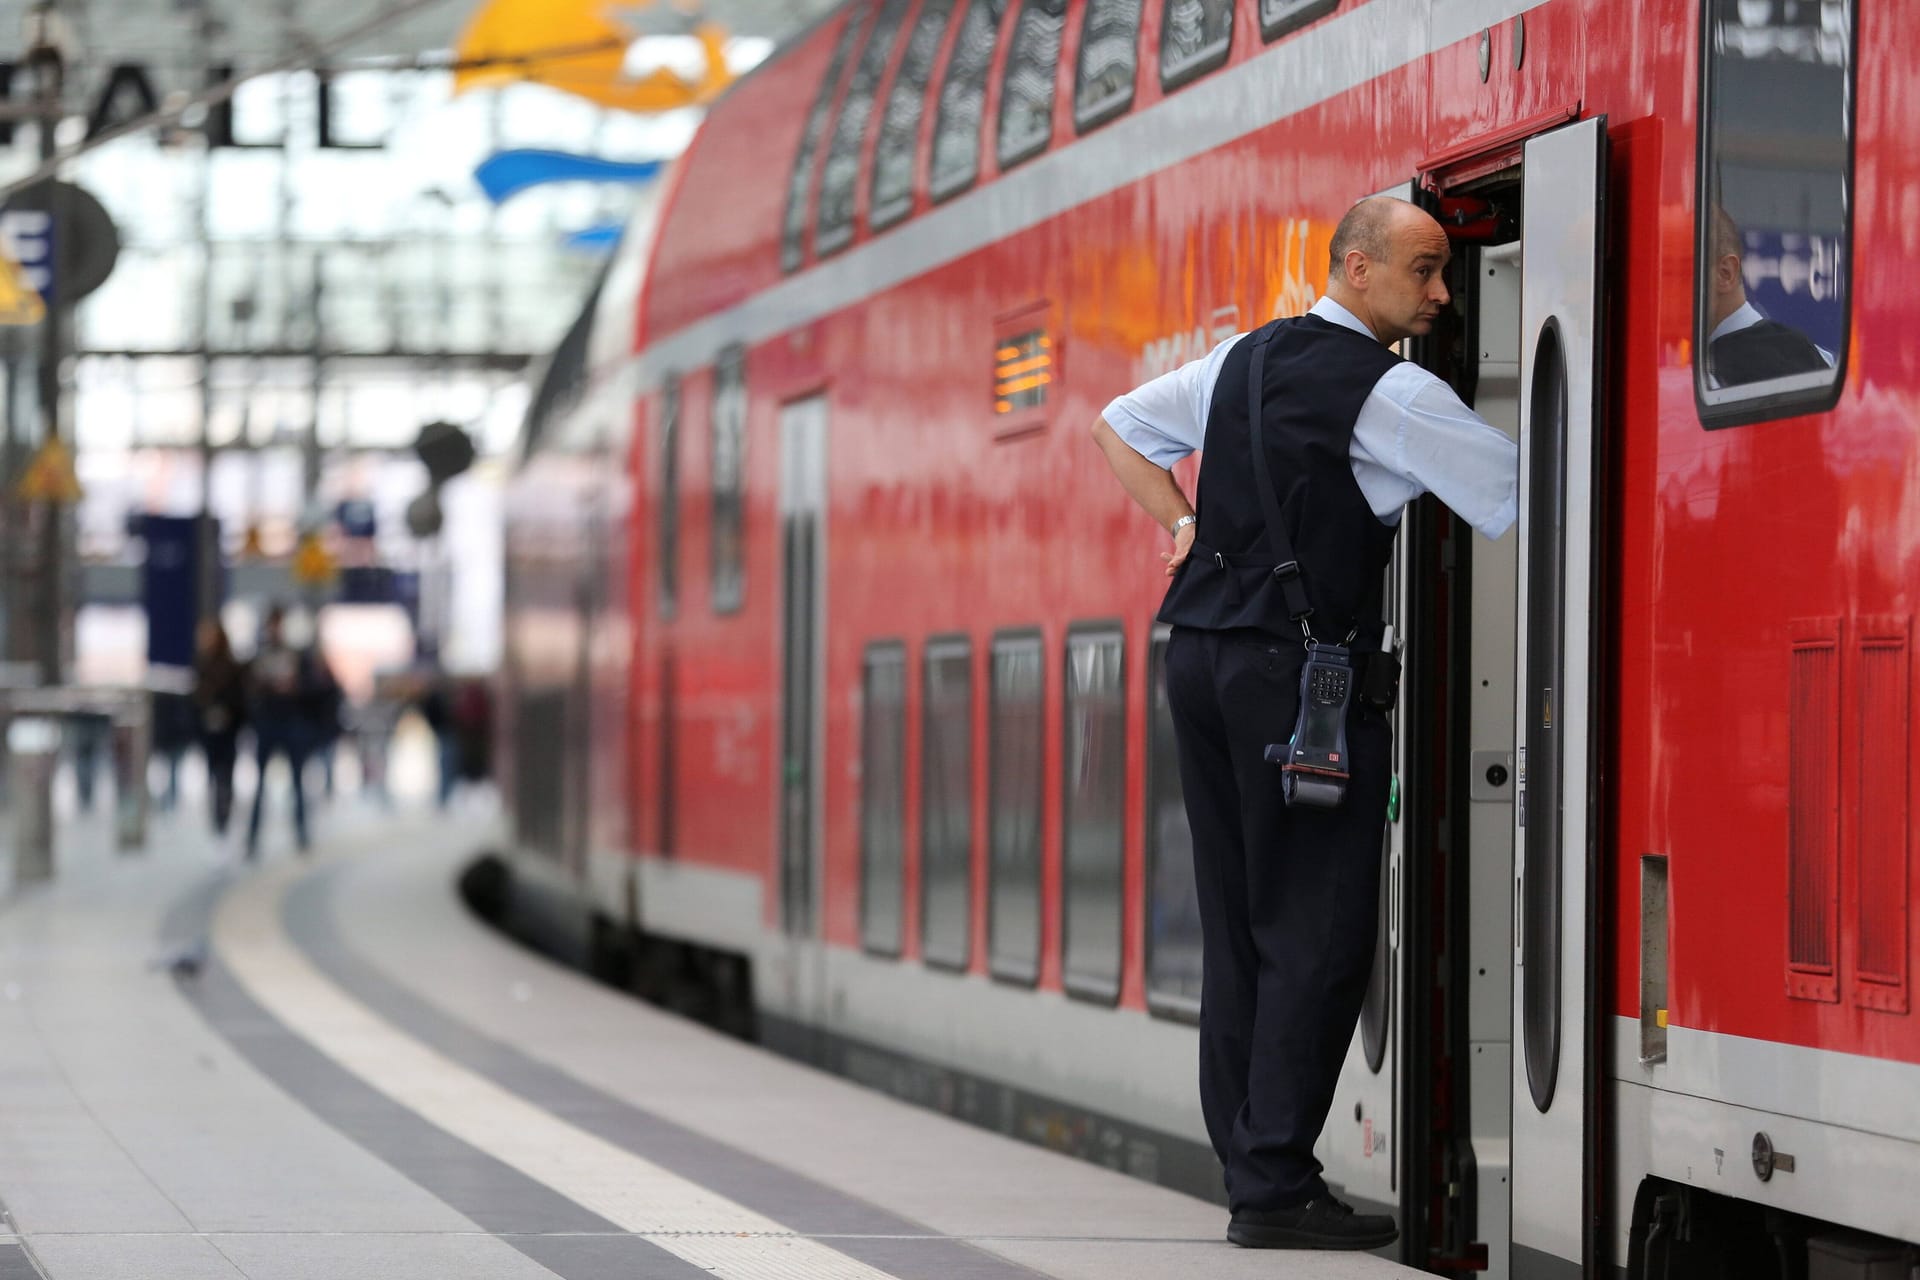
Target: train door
column 803, row 449
column 1556, row 1148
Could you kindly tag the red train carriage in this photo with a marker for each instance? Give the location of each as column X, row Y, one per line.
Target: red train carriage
column 833, row 671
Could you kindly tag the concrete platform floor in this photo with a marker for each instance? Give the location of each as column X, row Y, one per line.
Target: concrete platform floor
column 358, row 1079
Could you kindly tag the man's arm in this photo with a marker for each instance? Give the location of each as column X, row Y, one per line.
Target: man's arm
column 1150, row 485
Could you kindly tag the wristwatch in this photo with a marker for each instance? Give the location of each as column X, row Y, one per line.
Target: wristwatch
column 1182, row 523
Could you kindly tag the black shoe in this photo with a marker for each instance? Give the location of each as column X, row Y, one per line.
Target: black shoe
column 1323, row 1223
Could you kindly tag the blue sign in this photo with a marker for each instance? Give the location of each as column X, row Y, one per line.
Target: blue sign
column 170, row 587
column 356, row 518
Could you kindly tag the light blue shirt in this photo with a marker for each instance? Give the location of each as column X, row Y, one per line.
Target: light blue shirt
column 1413, row 436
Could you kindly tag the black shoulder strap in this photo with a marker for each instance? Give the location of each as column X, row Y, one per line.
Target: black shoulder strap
column 1287, row 570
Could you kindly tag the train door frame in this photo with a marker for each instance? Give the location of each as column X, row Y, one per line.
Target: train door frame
column 1465, row 875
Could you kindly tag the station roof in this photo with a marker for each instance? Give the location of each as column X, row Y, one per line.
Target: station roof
column 164, row 34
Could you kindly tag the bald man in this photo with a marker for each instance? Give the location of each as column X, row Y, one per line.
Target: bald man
column 1742, row 344
column 1288, row 894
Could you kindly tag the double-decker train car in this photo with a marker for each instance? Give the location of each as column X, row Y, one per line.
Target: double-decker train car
column 833, row 681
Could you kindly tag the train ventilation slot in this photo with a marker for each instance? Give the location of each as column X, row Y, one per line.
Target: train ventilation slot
column 1813, row 812
column 1885, row 832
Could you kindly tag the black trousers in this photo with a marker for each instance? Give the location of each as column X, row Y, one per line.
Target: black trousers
column 1289, row 908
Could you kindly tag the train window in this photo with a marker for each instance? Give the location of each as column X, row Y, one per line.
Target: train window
column 669, row 496
column 1774, row 208
column 1109, row 56
column 883, row 796
column 1026, row 86
column 793, row 237
column 1195, row 36
column 1277, row 17
column 1016, row 733
column 1093, row 807
column 729, row 415
column 1173, row 904
column 840, row 175
column 946, row 804
column 963, row 97
column 892, row 196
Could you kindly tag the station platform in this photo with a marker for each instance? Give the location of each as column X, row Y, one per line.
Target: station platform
column 324, row 1068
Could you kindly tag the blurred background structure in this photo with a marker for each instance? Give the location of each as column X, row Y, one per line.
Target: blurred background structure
column 379, row 230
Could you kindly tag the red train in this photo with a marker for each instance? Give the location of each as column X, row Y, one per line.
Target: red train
column 832, row 675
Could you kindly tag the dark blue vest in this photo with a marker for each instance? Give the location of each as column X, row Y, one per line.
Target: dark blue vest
column 1317, row 377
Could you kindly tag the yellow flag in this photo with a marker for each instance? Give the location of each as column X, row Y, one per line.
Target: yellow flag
column 580, row 47
column 19, row 301
column 50, row 476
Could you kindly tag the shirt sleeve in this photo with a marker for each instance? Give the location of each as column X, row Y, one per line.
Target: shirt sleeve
column 1166, row 419
column 1453, row 453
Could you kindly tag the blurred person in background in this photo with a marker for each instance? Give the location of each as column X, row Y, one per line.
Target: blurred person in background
column 220, row 708
column 175, row 728
column 286, row 686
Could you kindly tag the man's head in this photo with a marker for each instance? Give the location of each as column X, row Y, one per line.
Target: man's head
column 1727, row 291
column 1387, row 265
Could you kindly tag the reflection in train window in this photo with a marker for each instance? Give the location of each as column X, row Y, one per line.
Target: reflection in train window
column 1016, row 729
column 1093, row 807
column 793, row 235
column 729, row 413
column 1277, row 17
column 892, row 196
column 669, row 585
column 1195, row 36
column 963, row 99
column 1026, row 86
column 1109, row 55
column 1173, row 905
column 1770, row 325
column 946, row 804
column 883, row 796
column 841, row 173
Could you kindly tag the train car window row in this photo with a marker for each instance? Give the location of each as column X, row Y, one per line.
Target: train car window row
column 946, row 804
column 793, row 237
column 1026, row 84
column 669, row 508
column 883, row 796
column 1278, row 17
column 891, row 197
column 1773, row 208
column 1093, row 813
column 1109, row 62
column 1016, row 798
column 839, row 176
column 1093, row 797
column 963, row 97
column 1195, row 37
column 729, row 418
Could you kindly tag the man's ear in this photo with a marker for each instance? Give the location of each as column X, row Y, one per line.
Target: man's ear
column 1726, row 273
column 1354, row 268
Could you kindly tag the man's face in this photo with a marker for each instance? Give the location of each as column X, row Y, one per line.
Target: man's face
column 1407, row 291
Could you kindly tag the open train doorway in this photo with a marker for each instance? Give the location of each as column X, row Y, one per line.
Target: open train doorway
column 1481, row 1010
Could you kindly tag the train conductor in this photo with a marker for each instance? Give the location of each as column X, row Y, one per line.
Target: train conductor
column 1347, row 433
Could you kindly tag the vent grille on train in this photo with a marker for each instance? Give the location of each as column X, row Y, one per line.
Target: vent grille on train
column 1813, row 812
column 1884, row 833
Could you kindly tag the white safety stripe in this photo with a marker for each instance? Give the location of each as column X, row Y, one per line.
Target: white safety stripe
column 680, row 1216
column 1324, row 61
